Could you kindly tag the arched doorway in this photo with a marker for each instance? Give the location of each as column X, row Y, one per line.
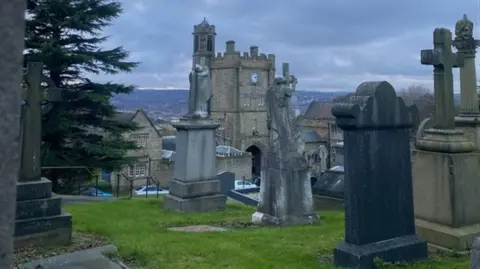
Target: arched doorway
column 256, row 160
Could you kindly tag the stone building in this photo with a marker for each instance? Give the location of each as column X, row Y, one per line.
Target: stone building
column 240, row 81
column 149, row 165
column 319, row 117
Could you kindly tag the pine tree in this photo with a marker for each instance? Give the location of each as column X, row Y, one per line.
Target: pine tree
column 66, row 35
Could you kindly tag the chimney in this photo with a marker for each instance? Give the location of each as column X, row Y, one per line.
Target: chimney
column 285, row 69
column 254, row 51
column 230, row 46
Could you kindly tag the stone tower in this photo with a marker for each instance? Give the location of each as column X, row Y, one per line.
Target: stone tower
column 203, row 42
column 240, row 82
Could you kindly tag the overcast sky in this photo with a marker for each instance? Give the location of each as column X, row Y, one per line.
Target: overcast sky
column 330, row 44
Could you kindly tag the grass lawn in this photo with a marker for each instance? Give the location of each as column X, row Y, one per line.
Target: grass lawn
column 139, row 229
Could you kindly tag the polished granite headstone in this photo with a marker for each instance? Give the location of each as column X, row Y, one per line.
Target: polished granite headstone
column 379, row 219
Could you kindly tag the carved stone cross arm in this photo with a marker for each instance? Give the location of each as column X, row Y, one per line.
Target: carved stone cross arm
column 443, row 60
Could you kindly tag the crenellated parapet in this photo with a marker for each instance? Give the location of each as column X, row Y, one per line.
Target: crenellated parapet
column 251, row 59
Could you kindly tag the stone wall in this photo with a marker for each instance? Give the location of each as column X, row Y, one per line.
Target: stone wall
column 240, row 165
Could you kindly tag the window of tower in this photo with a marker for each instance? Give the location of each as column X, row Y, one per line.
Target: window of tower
column 210, row 43
column 195, row 44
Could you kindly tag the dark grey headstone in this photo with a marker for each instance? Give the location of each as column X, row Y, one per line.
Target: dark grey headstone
column 379, row 218
column 475, row 255
column 227, row 181
column 12, row 27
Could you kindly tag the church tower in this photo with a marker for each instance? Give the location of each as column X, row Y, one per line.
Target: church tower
column 203, row 43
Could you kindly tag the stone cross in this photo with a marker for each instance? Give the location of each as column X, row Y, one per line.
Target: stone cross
column 466, row 45
column 12, row 29
column 443, row 60
column 30, row 169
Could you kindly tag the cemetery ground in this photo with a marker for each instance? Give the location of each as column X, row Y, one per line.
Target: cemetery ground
column 139, row 228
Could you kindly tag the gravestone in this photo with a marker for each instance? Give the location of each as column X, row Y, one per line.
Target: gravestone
column 285, row 193
column 195, row 187
column 39, row 216
column 12, row 29
column 445, row 166
column 379, row 218
column 227, row 181
column 469, row 118
column 475, row 254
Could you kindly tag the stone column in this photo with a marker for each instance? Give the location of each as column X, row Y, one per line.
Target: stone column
column 469, row 118
column 12, row 28
column 195, row 187
column 379, row 218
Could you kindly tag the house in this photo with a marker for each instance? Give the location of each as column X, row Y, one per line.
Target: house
column 148, row 156
column 319, row 118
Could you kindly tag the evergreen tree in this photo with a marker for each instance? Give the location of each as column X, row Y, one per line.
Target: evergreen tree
column 66, row 35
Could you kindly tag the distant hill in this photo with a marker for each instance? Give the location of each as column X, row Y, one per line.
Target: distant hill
column 173, row 103
column 167, row 103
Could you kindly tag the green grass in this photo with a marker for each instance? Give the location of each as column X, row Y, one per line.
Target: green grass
column 139, row 229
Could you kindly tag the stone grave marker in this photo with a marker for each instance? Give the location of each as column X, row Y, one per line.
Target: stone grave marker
column 379, row 218
column 466, row 45
column 39, row 217
column 475, row 254
column 285, row 192
column 445, row 164
column 196, row 187
column 12, row 31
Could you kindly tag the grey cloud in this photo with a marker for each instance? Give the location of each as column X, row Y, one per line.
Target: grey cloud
column 338, row 41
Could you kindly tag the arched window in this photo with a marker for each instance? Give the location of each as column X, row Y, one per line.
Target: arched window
column 195, row 44
column 209, row 43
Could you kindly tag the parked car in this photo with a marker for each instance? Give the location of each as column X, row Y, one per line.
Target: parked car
column 149, row 190
column 243, row 184
column 92, row 191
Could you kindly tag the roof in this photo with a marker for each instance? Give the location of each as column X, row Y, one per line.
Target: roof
column 227, row 150
column 129, row 116
column 319, row 110
column 311, row 137
column 124, row 117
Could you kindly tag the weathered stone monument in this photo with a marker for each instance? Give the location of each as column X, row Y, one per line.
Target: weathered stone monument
column 379, row 218
column 12, row 28
column 39, row 217
column 475, row 254
column 445, row 168
column 195, row 187
column 285, row 192
column 469, row 118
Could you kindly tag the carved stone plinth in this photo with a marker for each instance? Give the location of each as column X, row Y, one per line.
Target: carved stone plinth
column 39, row 218
column 448, row 140
column 285, row 196
column 469, row 123
column 446, row 187
column 195, row 187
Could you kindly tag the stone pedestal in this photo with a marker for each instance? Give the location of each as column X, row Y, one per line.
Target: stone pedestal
column 446, row 187
column 379, row 217
column 469, row 124
column 39, row 217
column 285, row 195
column 195, row 187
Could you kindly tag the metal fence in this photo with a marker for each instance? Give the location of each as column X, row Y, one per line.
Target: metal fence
column 122, row 187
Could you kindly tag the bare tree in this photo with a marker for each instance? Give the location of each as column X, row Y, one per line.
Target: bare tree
column 420, row 96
